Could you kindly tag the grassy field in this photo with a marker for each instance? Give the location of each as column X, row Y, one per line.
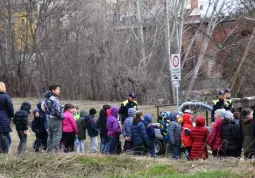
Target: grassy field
column 97, row 165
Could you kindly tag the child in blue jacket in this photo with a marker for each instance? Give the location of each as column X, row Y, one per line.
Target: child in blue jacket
column 175, row 135
column 39, row 127
column 150, row 133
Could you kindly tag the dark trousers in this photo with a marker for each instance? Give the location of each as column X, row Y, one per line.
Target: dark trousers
column 188, row 151
column 152, row 149
column 127, row 146
column 176, row 152
column 113, row 144
column 22, row 141
column 104, row 146
column 218, row 153
column 4, row 142
column 68, row 139
column 41, row 139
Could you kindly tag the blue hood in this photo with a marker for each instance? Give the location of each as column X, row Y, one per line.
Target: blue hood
column 147, row 118
column 173, row 116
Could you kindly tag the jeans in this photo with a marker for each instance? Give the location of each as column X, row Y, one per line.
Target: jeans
column 22, row 141
column 104, row 147
column 152, row 149
column 80, row 146
column 54, row 134
column 176, row 152
column 93, row 144
column 113, row 144
column 3, row 142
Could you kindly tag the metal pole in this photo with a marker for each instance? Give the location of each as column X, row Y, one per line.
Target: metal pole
column 177, row 97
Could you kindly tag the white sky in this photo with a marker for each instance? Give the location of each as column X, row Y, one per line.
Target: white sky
column 230, row 6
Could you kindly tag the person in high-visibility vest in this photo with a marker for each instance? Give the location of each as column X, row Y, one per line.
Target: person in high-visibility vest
column 218, row 104
column 228, row 102
column 125, row 105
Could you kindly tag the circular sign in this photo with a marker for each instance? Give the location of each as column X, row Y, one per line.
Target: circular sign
column 176, row 61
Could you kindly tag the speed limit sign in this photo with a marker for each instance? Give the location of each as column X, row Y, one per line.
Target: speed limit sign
column 175, row 67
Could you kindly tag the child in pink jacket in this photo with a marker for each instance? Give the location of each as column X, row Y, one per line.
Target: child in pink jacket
column 69, row 129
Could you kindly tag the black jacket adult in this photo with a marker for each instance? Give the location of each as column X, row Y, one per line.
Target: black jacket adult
column 21, row 117
column 218, row 105
column 82, row 125
column 101, row 122
column 6, row 112
column 231, row 136
column 123, row 110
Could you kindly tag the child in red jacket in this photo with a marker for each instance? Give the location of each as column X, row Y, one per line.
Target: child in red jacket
column 199, row 136
column 186, row 130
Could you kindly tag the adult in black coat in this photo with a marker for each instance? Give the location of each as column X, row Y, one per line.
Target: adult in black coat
column 231, row 134
column 6, row 113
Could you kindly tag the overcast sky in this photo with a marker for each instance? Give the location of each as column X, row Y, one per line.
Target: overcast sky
column 230, row 6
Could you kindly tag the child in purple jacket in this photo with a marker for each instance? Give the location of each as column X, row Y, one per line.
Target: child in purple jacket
column 114, row 130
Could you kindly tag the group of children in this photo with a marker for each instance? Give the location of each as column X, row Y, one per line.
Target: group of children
column 227, row 136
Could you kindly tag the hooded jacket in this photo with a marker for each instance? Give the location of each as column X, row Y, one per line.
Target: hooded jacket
column 101, row 122
column 6, row 112
column 186, row 130
column 127, row 125
column 199, row 136
column 53, row 108
column 113, row 124
column 92, row 128
column 149, row 127
column 174, row 130
column 82, row 125
column 231, row 136
column 39, row 125
column 21, row 117
column 138, row 134
column 215, row 139
column 69, row 123
column 248, row 144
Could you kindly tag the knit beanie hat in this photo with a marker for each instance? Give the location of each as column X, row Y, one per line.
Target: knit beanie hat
column 220, row 112
column 35, row 111
column 92, row 112
column 131, row 112
column 228, row 115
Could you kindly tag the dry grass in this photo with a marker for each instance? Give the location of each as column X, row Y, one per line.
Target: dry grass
column 97, row 165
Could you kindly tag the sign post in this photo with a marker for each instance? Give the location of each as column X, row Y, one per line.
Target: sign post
column 175, row 67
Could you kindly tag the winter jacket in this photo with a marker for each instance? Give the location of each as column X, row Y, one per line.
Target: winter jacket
column 39, row 125
column 82, row 125
column 6, row 112
column 101, row 122
column 20, row 118
column 199, row 136
column 92, row 129
column 127, row 125
column 138, row 135
column 164, row 128
column 219, row 104
column 215, row 139
column 248, row 135
column 174, row 130
column 149, row 127
column 231, row 138
column 53, row 108
column 125, row 105
column 42, row 115
column 69, row 123
column 186, row 129
column 113, row 124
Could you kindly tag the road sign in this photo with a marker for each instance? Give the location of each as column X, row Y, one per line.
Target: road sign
column 175, row 66
column 176, row 84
